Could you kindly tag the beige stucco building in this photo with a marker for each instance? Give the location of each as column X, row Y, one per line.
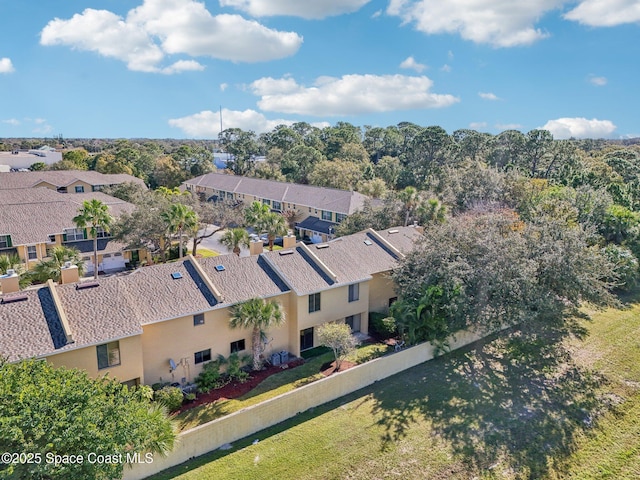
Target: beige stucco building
column 164, row 322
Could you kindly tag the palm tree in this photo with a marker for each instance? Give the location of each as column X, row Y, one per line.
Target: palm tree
column 58, row 256
column 410, row 198
column 94, row 214
column 258, row 315
column 274, row 225
column 179, row 218
column 234, row 238
column 254, row 214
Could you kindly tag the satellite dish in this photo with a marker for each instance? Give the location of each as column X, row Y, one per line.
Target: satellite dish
column 172, row 364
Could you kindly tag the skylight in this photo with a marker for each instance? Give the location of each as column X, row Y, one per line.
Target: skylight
column 393, row 231
column 82, row 286
column 285, row 252
column 368, row 242
column 176, row 275
column 322, row 245
column 220, row 268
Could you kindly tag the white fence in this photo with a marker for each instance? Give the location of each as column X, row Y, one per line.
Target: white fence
column 210, row 436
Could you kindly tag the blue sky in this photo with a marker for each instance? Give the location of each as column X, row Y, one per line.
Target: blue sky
column 164, row 68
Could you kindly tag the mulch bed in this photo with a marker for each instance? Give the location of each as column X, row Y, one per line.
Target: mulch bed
column 237, row 389
column 330, row 367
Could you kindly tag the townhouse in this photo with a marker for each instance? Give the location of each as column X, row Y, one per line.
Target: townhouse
column 318, row 209
column 33, row 220
column 164, row 322
column 64, row 181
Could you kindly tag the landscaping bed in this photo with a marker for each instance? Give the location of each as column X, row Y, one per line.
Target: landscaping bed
column 235, row 389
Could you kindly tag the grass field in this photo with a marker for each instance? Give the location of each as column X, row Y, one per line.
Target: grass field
column 519, row 405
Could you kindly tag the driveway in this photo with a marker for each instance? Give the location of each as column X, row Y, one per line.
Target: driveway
column 213, row 243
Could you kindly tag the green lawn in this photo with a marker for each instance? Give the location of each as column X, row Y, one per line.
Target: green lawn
column 513, row 406
column 206, row 253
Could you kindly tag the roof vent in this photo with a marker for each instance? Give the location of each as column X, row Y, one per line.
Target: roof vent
column 322, row 245
column 368, row 242
column 82, row 286
column 285, row 252
column 15, row 298
column 220, row 268
column 393, row 231
column 176, row 275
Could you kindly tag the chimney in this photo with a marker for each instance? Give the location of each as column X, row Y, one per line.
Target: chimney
column 69, row 273
column 255, row 247
column 9, row 282
column 289, row 241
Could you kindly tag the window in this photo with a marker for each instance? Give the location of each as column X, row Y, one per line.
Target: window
column 52, row 238
column 32, row 253
column 277, row 205
column 314, row 302
column 79, row 189
column 198, row 319
column 354, row 292
column 229, row 196
column 203, row 356
column 266, row 201
column 340, row 217
column 327, row 215
column 354, row 322
column 108, row 355
column 237, row 346
column 100, row 233
column 5, row 241
column 306, row 339
column 74, row 234
column 96, row 188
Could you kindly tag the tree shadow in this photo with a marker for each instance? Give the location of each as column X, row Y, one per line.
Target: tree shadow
column 514, row 399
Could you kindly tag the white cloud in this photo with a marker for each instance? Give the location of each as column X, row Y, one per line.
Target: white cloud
column 349, row 95
column 501, row 23
column 580, row 128
column 488, row 96
column 206, row 124
column 445, row 68
column 508, row 126
column 6, row 66
column 605, row 13
column 12, row 121
column 478, row 125
column 159, row 28
column 410, row 63
column 597, row 81
column 315, row 9
column 223, row 86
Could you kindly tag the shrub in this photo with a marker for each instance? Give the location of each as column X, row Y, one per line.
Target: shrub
column 209, row 377
column 234, row 368
column 170, row 397
column 382, row 326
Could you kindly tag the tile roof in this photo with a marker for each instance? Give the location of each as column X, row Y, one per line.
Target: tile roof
column 62, row 178
column 329, row 199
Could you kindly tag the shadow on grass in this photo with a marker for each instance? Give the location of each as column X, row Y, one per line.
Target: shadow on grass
column 514, row 399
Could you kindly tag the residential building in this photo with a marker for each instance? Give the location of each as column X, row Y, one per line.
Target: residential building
column 164, row 322
column 318, row 209
column 64, row 181
column 33, row 220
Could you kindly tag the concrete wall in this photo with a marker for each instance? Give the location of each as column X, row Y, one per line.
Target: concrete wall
column 210, row 436
column 381, row 289
column 130, row 367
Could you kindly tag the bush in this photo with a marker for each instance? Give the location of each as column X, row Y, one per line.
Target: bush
column 382, row 326
column 234, row 368
column 210, row 377
column 170, row 397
